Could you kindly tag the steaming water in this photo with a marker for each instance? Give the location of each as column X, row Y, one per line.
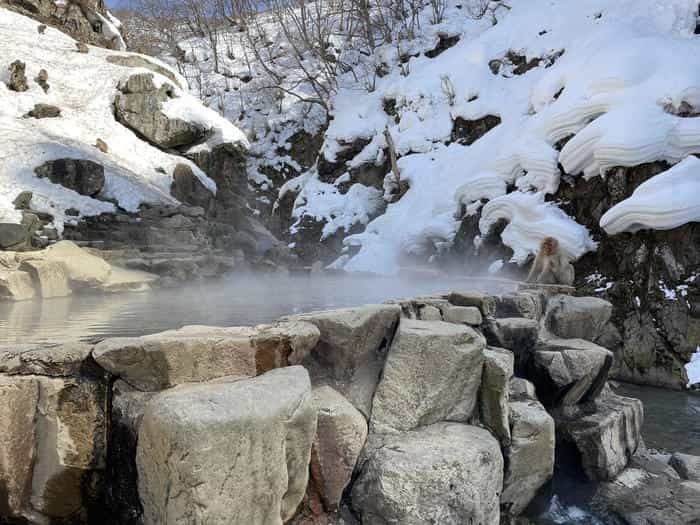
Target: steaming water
column 242, row 300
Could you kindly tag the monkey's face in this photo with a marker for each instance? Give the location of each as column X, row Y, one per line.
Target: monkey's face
column 548, row 247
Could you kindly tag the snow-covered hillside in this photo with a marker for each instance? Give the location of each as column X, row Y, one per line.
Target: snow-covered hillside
column 577, row 88
column 83, row 87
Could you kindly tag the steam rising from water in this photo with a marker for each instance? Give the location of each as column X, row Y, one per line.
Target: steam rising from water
column 239, row 300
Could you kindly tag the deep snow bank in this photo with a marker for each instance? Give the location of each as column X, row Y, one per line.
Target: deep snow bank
column 83, row 87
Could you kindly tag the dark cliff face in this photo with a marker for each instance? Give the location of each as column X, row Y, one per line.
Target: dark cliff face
column 75, row 17
column 649, row 276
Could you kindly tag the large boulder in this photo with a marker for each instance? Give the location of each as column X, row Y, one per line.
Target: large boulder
column 50, row 277
column 187, row 188
column 517, row 334
column 484, row 302
column 526, row 303
column 13, row 236
column 529, row 458
column 495, row 393
column 687, row 466
column 341, row 434
column 605, row 434
column 568, row 371
column 202, row 353
column 432, row 373
column 52, row 360
column 80, row 175
column 83, row 269
column 447, row 473
column 53, row 442
column 577, row 317
column 227, row 452
column 351, row 350
column 139, row 106
column 16, row 285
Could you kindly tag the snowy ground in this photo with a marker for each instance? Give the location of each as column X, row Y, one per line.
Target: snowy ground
column 693, row 368
column 617, row 79
column 83, row 86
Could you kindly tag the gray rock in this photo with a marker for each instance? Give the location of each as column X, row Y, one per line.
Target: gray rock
column 189, row 189
column 568, row 371
column 432, row 373
column 18, row 77
column 23, row 200
column 484, row 302
column 54, row 360
column 81, row 175
column 447, row 473
column 227, row 452
column 577, row 317
column 530, row 456
column 201, row 353
column 139, row 107
column 521, row 389
column 13, row 236
column 351, row 350
column 494, row 393
column 528, row 303
column 687, row 466
column 44, row 111
column 470, row 315
column 517, row 334
column 606, row 434
column 133, row 60
column 340, row 436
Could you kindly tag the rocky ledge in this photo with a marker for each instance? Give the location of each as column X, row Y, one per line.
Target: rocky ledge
column 448, row 409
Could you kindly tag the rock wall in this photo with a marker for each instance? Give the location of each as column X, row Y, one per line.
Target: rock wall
column 322, row 417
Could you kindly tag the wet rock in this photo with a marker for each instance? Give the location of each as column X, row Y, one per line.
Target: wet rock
column 340, row 436
column 207, row 450
column 517, row 334
column 494, row 393
column 139, row 107
column 52, row 360
column 470, row 315
column 52, row 444
column 201, row 353
column 567, row 371
column 18, row 78
column 187, row 188
column 16, row 285
column 447, row 473
column 577, row 317
column 484, row 302
column 635, row 496
column 351, row 350
column 13, row 236
column 605, row 434
column 529, row 458
column 687, row 466
column 44, row 111
column 414, row 392
column 50, row 277
column 83, row 176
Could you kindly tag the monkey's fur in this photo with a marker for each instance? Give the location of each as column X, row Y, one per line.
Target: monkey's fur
column 551, row 266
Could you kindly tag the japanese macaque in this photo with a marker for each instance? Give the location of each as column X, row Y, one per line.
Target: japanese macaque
column 551, row 266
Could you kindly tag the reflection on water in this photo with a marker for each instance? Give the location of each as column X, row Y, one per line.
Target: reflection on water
column 671, row 419
column 240, row 300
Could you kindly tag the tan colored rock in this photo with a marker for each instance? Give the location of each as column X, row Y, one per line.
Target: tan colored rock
column 55, row 360
column 18, row 404
column 470, row 315
column 128, row 280
column 51, row 277
column 223, row 452
column 351, row 350
column 447, row 473
column 84, row 269
column 16, row 285
column 341, row 434
column 484, row 302
column 202, row 353
column 494, row 394
column 529, row 457
column 432, row 373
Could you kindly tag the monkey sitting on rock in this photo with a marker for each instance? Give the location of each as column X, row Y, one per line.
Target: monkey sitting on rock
column 551, row 266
